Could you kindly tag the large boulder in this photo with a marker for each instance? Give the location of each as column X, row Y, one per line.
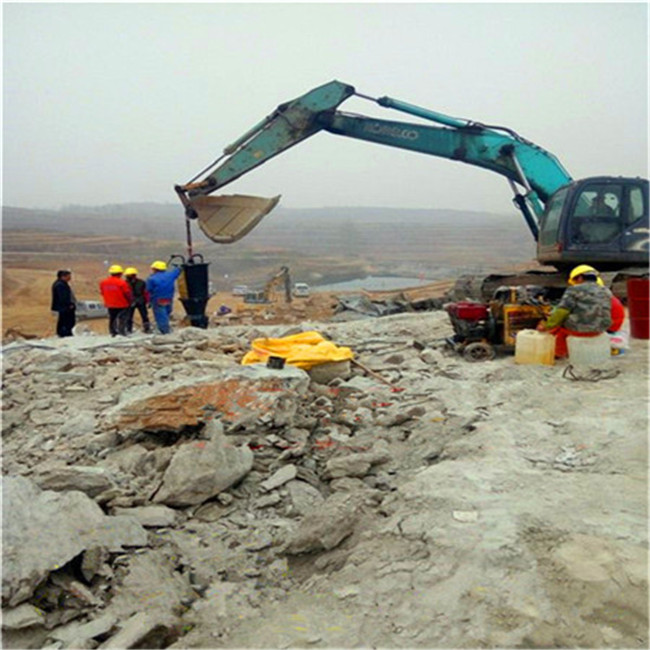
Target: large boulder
column 44, row 530
column 305, row 498
column 326, row 527
column 244, row 396
column 201, row 469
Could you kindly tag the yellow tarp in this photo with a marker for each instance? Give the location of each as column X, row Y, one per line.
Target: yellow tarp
column 304, row 350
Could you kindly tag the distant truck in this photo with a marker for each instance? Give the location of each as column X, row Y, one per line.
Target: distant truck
column 88, row 309
column 240, row 290
column 301, row 290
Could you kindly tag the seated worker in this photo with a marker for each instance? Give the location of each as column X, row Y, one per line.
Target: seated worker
column 601, row 209
column 584, row 310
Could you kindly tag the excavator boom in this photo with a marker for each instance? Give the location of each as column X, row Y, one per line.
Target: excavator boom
column 501, row 151
column 226, row 219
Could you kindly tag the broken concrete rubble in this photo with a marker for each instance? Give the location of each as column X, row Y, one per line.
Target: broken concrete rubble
column 43, row 530
column 305, row 498
column 327, row 527
column 60, row 478
column 282, row 476
column 431, row 494
column 142, row 630
column 83, row 635
column 157, row 516
column 25, row 615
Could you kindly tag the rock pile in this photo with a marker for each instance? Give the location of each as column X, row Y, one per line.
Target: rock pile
column 156, row 493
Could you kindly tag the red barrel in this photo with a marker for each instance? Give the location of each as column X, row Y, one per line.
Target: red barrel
column 638, row 300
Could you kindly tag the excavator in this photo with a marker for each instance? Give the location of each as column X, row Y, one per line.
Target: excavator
column 601, row 221
column 282, row 277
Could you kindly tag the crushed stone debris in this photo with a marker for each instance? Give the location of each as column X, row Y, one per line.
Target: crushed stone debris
column 157, row 469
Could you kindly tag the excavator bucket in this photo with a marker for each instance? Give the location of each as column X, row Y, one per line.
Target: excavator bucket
column 226, row 219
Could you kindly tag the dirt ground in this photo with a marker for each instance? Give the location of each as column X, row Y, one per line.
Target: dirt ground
column 26, row 291
column 26, row 301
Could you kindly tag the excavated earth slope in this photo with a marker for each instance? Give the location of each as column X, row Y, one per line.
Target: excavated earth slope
column 158, row 494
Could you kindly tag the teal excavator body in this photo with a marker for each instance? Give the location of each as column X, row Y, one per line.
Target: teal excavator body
column 601, row 221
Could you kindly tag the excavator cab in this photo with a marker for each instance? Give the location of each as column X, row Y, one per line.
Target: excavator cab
column 601, row 221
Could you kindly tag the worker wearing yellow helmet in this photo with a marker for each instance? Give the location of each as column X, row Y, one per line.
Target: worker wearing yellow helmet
column 617, row 309
column 117, row 297
column 161, row 286
column 584, row 310
column 575, row 277
column 140, row 300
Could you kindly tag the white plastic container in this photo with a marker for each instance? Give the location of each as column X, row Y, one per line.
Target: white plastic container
column 620, row 341
column 533, row 347
column 594, row 351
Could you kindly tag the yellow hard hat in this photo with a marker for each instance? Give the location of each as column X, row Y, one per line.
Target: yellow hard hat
column 584, row 268
column 115, row 268
column 159, row 266
column 131, row 271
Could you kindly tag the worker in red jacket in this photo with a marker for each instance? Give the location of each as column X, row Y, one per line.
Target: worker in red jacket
column 118, row 298
column 618, row 315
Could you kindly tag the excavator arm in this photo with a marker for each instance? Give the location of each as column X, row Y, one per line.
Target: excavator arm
column 498, row 149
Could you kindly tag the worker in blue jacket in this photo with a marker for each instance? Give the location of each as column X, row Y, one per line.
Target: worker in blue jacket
column 160, row 285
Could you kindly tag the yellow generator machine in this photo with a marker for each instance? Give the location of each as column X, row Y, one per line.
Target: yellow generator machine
column 482, row 329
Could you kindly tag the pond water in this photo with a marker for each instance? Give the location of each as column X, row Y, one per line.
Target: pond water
column 374, row 283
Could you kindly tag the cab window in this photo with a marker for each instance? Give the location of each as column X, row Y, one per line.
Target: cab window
column 597, row 215
column 635, row 206
column 548, row 234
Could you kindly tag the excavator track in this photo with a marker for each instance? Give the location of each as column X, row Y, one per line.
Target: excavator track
column 482, row 287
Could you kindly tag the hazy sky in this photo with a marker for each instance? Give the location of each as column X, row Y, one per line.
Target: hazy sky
column 113, row 103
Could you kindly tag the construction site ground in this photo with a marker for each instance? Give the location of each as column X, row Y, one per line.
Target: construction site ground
column 26, row 301
column 417, row 500
column 409, row 499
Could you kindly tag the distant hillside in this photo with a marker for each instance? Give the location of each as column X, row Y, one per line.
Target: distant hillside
column 158, row 221
column 386, row 232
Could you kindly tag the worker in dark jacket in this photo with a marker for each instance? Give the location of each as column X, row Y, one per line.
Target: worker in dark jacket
column 140, row 300
column 117, row 298
column 64, row 303
column 585, row 309
column 161, row 286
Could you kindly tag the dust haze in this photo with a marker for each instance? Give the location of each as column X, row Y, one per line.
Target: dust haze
column 115, row 103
